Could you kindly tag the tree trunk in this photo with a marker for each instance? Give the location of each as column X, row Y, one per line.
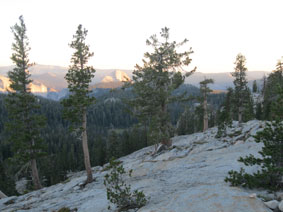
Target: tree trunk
column 205, row 115
column 85, row 150
column 35, row 177
column 146, row 134
column 167, row 141
column 2, row 195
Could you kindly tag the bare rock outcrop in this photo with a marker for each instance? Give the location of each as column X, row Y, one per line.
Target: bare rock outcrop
column 189, row 177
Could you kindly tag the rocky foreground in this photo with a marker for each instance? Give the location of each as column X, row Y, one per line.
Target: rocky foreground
column 189, row 177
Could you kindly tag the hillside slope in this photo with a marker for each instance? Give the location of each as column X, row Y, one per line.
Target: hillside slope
column 189, row 177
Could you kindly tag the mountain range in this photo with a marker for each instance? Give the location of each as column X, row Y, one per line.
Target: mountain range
column 48, row 81
column 223, row 80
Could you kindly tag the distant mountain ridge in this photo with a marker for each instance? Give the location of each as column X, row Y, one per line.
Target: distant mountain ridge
column 49, row 80
column 35, row 86
column 223, row 80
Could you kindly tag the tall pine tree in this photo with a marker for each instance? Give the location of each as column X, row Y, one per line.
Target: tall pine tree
column 154, row 82
column 75, row 106
column 240, row 94
column 24, row 123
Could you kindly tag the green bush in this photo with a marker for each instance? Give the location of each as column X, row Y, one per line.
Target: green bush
column 118, row 192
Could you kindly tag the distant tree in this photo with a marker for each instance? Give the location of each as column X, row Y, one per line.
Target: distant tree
column 258, row 113
column 198, row 117
column 99, row 149
column 225, row 113
column 272, row 82
column 255, row 87
column 24, row 123
column 154, row 82
column 240, row 84
column 75, row 106
column 248, row 112
column 277, row 108
column 113, row 145
column 186, row 122
column 205, row 90
column 263, row 85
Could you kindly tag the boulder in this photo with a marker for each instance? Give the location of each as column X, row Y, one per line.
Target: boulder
column 279, row 195
column 2, row 195
column 280, row 206
column 272, row 204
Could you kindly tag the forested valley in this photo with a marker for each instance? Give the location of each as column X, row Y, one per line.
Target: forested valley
column 112, row 132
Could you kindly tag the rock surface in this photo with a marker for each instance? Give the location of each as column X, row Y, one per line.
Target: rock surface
column 2, row 195
column 189, row 177
column 272, row 204
column 280, row 206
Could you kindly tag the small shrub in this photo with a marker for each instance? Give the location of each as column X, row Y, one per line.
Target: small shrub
column 118, row 192
column 235, row 134
column 64, row 210
column 107, row 168
column 66, row 181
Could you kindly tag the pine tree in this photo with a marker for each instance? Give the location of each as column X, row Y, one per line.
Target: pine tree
column 263, row 85
column 271, row 160
column 240, row 84
column 274, row 80
column 24, row 123
column 225, row 114
column 205, row 90
column 277, row 108
column 186, row 122
column 248, row 112
column 7, row 183
column 75, row 106
column 258, row 113
column 254, row 86
column 154, row 82
column 113, row 145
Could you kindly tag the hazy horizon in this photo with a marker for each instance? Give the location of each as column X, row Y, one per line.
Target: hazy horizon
column 217, row 31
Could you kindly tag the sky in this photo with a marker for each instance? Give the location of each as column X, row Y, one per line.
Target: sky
column 217, row 30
